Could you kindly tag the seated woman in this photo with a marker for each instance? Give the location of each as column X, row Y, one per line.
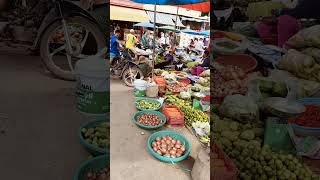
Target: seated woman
column 286, row 21
column 205, row 63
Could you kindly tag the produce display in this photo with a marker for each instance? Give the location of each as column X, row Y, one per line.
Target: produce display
column 191, row 115
column 243, row 143
column 148, row 119
column 168, row 147
column 301, row 65
column 103, row 174
column 175, row 88
column 262, row 163
column 97, row 136
column 270, row 88
column 142, row 104
column 229, row 80
column 310, row 118
column 231, row 134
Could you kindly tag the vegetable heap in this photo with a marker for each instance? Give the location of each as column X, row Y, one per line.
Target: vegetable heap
column 310, row 118
column 202, row 129
column 301, row 65
column 97, row 136
column 168, row 147
column 148, row 119
column 270, row 88
column 176, row 88
column 229, row 80
column 191, row 115
column 142, row 104
column 263, row 164
column 103, row 174
column 242, row 143
column 231, row 134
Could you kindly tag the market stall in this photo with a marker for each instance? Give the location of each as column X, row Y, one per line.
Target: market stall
column 264, row 89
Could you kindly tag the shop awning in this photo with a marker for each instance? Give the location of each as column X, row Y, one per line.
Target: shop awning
column 193, row 19
column 161, row 18
column 179, row 23
column 128, row 14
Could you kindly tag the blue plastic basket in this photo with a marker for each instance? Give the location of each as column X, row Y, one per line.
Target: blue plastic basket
column 95, row 151
column 307, row 131
column 159, row 114
column 95, row 164
column 174, row 135
column 148, row 100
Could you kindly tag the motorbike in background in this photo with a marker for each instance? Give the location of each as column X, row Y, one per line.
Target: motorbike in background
column 126, row 68
column 61, row 30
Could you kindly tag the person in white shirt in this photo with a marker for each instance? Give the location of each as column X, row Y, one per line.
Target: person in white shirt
column 198, row 45
column 162, row 39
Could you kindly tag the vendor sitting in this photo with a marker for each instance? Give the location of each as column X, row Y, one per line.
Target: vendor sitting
column 205, row 59
column 205, row 63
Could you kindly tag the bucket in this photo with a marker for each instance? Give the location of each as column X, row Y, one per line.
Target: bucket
column 140, row 87
column 92, row 90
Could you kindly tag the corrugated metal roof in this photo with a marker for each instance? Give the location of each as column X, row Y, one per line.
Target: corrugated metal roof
column 161, row 18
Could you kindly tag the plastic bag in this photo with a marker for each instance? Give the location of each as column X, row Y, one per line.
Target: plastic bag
column 301, row 65
column 305, row 88
column 239, row 107
column 305, row 146
column 309, row 37
column 201, row 167
column 314, row 52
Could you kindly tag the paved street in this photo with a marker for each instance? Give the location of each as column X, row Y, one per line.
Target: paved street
column 130, row 158
column 40, row 140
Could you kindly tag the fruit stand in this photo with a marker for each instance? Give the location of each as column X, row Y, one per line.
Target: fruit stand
column 266, row 111
column 180, row 106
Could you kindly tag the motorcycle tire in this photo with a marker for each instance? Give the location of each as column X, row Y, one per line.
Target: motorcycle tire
column 44, row 49
column 127, row 72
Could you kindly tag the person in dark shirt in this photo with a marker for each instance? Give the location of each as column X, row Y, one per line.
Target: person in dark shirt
column 206, row 59
column 115, row 46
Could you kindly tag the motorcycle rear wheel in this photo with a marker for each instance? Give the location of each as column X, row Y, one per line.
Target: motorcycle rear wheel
column 95, row 34
column 131, row 74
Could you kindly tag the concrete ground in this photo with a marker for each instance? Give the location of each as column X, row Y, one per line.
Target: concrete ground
column 39, row 138
column 129, row 156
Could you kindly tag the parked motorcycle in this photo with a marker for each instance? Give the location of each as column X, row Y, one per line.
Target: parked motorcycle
column 125, row 67
column 62, row 32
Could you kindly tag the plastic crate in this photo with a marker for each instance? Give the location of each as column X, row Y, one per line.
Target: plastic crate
column 173, row 120
column 231, row 172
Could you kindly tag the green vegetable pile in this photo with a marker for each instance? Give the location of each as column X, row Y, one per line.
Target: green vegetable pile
column 142, row 104
column 190, row 114
column 243, row 143
column 97, row 136
column 263, row 164
column 270, row 88
column 231, row 134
